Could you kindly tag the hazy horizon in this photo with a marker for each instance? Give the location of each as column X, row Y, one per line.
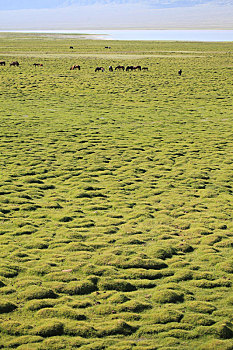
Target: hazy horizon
column 115, row 14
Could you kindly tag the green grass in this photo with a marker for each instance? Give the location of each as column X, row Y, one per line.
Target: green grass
column 115, row 195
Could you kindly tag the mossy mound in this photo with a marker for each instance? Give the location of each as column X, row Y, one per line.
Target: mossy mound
column 116, row 327
column 84, row 330
column 163, row 316
column 62, row 312
column 224, row 330
column 36, row 292
column 168, row 296
column 200, row 306
column 216, row 344
column 6, row 306
column 118, row 284
column 79, row 288
column 35, row 305
column 49, row 328
column 197, row 319
column 24, row 340
column 134, row 306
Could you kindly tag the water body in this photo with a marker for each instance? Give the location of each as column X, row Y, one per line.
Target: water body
column 177, row 35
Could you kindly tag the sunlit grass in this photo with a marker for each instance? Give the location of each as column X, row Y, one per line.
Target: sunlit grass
column 116, row 195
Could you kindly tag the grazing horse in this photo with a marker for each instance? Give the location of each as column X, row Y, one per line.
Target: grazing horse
column 110, row 69
column 98, row 69
column 137, row 68
column 180, row 72
column 2, row 63
column 145, row 68
column 75, row 67
column 15, row 63
column 37, row 64
column 71, row 47
column 120, row 68
column 128, row 68
column 107, row 47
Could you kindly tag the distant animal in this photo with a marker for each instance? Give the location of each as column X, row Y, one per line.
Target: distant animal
column 145, row 68
column 71, row 47
column 37, row 64
column 129, row 68
column 75, row 67
column 98, row 69
column 180, row 72
column 15, row 63
column 120, row 68
column 107, row 47
column 110, row 69
column 2, row 63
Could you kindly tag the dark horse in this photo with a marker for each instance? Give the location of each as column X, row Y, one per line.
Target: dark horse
column 37, row 64
column 75, row 67
column 120, row 68
column 110, row 69
column 145, row 68
column 180, row 72
column 15, row 63
column 128, row 68
column 98, row 69
column 2, row 63
column 71, row 47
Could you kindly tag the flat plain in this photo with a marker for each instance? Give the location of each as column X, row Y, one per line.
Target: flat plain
column 116, row 195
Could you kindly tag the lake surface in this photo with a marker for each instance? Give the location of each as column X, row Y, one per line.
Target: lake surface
column 177, row 35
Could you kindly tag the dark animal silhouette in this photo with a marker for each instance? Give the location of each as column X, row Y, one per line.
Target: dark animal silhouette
column 2, row 63
column 180, row 72
column 120, row 68
column 129, row 68
column 107, row 47
column 75, row 67
column 37, row 64
column 145, row 68
column 110, row 69
column 71, row 47
column 15, row 63
column 98, row 69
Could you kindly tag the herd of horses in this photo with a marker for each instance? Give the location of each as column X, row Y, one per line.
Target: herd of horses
column 127, row 69
column 97, row 69
column 75, row 66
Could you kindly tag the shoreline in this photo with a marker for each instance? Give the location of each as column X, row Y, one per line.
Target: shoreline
column 197, row 35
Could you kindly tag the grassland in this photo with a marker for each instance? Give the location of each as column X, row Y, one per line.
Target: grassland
column 116, row 195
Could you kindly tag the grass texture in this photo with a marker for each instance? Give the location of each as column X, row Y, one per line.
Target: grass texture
column 115, row 195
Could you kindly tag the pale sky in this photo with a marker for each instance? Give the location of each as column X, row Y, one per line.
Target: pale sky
column 115, row 14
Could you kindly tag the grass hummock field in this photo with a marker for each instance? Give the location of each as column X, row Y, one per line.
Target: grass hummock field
column 115, row 195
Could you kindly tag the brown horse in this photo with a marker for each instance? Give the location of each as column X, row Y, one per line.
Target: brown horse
column 37, row 64
column 98, row 69
column 2, row 63
column 15, row 63
column 137, row 68
column 75, row 67
column 120, row 68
